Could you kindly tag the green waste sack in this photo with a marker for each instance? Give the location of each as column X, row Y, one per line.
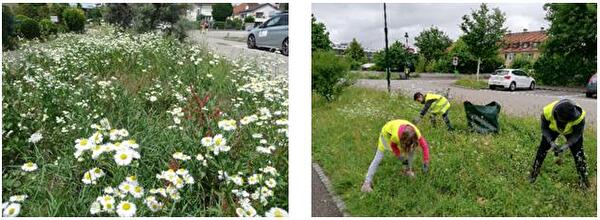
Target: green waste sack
column 483, row 118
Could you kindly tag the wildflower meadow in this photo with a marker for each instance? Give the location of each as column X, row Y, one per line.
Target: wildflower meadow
column 112, row 123
column 470, row 174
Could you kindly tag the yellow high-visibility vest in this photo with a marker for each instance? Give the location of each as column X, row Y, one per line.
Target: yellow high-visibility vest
column 553, row 126
column 389, row 133
column 440, row 106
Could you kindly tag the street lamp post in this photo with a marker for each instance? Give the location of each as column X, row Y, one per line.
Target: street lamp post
column 406, row 36
column 387, row 60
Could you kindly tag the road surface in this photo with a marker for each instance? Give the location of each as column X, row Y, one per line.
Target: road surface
column 233, row 50
column 518, row 103
column 322, row 203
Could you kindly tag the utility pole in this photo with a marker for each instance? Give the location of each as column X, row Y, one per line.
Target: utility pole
column 387, row 59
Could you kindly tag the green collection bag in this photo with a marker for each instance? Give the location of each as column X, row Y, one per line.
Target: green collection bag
column 483, row 118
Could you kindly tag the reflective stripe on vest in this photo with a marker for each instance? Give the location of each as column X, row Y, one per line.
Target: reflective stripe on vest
column 553, row 124
column 440, row 106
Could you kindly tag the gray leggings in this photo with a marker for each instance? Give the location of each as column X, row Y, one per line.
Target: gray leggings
column 407, row 161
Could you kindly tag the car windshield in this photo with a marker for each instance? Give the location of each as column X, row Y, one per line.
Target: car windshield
column 501, row 72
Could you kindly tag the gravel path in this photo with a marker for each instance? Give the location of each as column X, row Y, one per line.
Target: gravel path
column 323, row 204
column 519, row 103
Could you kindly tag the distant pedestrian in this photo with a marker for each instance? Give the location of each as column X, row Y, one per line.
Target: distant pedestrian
column 436, row 104
column 566, row 118
column 401, row 137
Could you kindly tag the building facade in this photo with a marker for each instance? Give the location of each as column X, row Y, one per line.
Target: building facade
column 260, row 12
column 526, row 43
column 201, row 11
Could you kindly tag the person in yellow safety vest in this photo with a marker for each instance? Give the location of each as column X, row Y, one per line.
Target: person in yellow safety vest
column 401, row 137
column 562, row 117
column 436, row 104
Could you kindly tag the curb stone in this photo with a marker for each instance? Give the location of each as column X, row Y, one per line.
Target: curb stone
column 325, row 180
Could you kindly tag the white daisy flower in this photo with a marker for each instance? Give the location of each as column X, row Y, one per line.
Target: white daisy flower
column 29, row 167
column 271, row 182
column 137, row 192
column 253, row 179
column 123, row 157
column 218, row 140
column 237, row 180
column 207, row 141
column 12, row 210
column 95, row 208
column 18, row 198
column 126, row 209
column 248, row 212
column 276, row 212
column 35, row 137
column 181, row 156
column 126, row 187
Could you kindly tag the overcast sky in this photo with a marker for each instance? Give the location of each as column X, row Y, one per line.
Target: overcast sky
column 365, row 21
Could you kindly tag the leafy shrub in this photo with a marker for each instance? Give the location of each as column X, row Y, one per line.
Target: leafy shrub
column 74, row 19
column 235, row 23
column 47, row 28
column 219, row 25
column 421, row 65
column 8, row 29
column 522, row 62
column 30, row 29
column 249, row 19
column 329, row 74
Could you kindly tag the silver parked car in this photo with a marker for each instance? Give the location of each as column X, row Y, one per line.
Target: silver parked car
column 511, row 79
column 272, row 34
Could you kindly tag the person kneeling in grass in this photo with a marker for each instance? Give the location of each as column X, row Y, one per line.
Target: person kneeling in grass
column 438, row 105
column 393, row 134
column 562, row 117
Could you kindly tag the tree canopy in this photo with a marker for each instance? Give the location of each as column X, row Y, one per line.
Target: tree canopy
column 569, row 53
column 483, row 29
column 319, row 36
column 355, row 51
column 432, row 43
column 399, row 56
column 220, row 11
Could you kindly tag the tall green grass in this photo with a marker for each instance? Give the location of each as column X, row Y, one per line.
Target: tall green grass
column 470, row 174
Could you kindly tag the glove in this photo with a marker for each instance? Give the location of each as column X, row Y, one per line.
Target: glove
column 554, row 148
column 425, row 168
column 562, row 149
column 366, row 187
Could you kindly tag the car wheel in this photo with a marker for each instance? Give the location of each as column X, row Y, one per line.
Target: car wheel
column 251, row 42
column 532, row 86
column 284, row 47
column 492, row 87
column 589, row 94
column 512, row 87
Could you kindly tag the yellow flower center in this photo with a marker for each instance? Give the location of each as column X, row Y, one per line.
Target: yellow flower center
column 108, row 206
column 126, row 206
column 126, row 187
column 133, row 178
column 30, row 164
column 278, row 213
column 83, row 142
column 123, row 156
column 96, row 170
column 11, row 211
column 88, row 176
column 138, row 189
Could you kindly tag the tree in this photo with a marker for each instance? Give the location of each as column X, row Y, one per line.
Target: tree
column 119, row 14
column 329, row 74
column 399, row 57
column 8, row 28
column 249, row 19
column 221, row 11
column 74, row 19
column 355, row 51
column 36, row 11
column 484, row 29
column 319, row 36
column 432, row 43
column 569, row 54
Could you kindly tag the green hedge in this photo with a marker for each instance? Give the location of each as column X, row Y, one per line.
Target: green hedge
column 74, row 19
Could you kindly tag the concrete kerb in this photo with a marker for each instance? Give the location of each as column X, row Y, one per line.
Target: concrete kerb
column 325, row 180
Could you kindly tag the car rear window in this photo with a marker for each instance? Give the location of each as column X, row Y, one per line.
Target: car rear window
column 501, row 72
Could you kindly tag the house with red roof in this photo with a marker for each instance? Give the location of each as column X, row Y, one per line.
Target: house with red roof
column 526, row 43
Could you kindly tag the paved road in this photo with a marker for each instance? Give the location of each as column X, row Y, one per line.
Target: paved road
column 233, row 50
column 322, row 203
column 515, row 103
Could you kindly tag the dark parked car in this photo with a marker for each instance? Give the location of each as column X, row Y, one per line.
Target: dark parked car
column 591, row 87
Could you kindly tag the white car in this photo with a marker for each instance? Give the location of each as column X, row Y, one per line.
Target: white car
column 511, row 79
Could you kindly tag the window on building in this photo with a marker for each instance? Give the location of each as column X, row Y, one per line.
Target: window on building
column 510, row 56
column 515, row 45
column 259, row 15
column 526, row 45
column 536, row 44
